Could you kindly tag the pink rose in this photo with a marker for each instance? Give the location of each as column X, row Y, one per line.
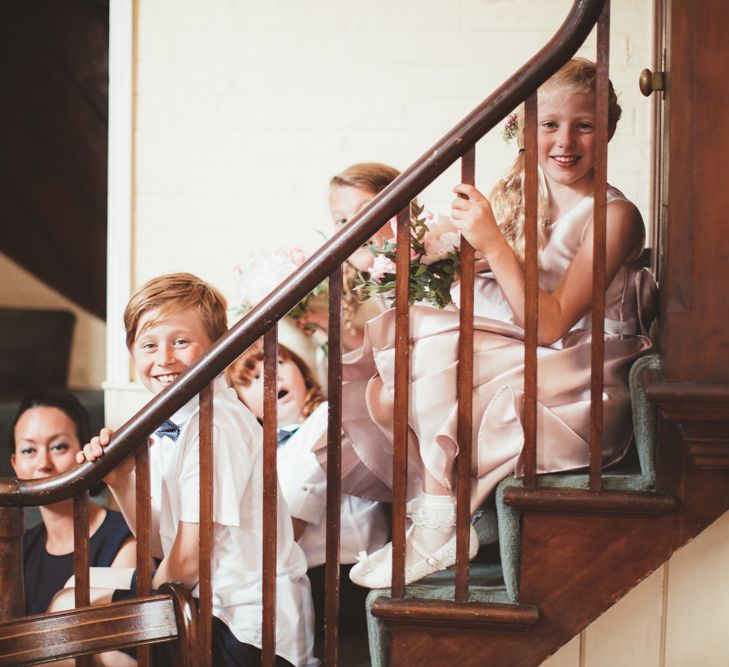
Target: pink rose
column 440, row 239
column 297, row 256
column 380, row 267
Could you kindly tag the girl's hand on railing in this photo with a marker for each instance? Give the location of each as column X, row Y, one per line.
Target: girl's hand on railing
column 95, row 450
column 471, row 213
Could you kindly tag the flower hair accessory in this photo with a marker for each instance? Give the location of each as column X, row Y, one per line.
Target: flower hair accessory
column 511, row 128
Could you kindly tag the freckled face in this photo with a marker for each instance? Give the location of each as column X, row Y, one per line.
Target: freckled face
column 291, row 388
column 45, row 443
column 566, row 137
column 345, row 202
column 163, row 350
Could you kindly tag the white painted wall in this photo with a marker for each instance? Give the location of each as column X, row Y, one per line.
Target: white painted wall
column 242, row 111
column 677, row 617
column 20, row 289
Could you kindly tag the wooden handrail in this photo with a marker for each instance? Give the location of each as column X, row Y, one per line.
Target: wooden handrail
column 562, row 46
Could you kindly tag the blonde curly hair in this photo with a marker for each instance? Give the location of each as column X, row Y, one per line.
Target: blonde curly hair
column 507, row 196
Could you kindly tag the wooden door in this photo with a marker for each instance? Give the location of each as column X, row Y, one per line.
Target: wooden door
column 659, row 164
column 695, row 239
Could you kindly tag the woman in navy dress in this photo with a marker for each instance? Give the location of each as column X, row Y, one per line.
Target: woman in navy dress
column 49, row 428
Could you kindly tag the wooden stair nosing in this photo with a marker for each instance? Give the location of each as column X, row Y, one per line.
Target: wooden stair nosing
column 500, row 615
column 584, row 501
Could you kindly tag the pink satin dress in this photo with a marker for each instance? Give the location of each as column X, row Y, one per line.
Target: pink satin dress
column 563, row 403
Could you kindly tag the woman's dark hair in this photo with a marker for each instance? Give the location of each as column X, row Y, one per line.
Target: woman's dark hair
column 62, row 399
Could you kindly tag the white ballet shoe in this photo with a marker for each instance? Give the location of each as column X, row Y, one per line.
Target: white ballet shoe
column 375, row 570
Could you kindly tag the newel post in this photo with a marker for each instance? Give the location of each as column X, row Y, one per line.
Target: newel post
column 12, row 596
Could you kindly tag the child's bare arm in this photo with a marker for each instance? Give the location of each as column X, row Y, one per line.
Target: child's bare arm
column 182, row 562
column 122, row 482
column 127, row 554
column 559, row 310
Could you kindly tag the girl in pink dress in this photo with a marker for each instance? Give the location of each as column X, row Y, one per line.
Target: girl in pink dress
column 350, row 191
column 495, row 228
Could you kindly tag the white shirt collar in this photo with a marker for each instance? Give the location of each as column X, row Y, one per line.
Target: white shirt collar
column 182, row 416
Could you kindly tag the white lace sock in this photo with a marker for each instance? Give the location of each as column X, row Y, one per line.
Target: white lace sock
column 434, row 523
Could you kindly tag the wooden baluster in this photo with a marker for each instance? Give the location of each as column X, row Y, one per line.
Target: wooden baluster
column 270, row 492
column 81, row 558
column 531, row 290
column 205, row 581
column 334, row 472
column 465, row 399
column 598, row 249
column 144, row 536
column 402, row 378
column 12, row 595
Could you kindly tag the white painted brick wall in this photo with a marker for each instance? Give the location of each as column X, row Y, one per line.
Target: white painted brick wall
column 244, row 110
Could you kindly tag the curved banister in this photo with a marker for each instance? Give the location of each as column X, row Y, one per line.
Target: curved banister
column 562, row 46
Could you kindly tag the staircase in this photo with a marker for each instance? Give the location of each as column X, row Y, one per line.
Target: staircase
column 566, row 553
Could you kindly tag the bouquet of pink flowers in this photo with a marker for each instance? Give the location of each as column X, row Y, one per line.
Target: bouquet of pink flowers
column 434, row 262
column 258, row 275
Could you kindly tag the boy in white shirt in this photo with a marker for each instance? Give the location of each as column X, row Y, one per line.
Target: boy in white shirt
column 170, row 322
column 302, row 419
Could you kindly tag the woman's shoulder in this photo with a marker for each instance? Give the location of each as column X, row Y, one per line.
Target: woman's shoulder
column 34, row 536
column 109, row 537
column 113, row 524
column 114, row 519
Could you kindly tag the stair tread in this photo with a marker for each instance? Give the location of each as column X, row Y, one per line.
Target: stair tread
column 486, row 584
column 573, row 499
column 441, row 612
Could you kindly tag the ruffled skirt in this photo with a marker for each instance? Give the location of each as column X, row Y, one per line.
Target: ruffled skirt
column 563, row 403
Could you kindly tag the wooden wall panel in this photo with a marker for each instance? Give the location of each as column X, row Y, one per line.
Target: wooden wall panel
column 630, row 632
column 675, row 617
column 695, row 335
column 698, row 600
column 54, row 69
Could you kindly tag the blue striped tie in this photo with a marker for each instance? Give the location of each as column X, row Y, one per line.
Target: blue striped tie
column 169, row 429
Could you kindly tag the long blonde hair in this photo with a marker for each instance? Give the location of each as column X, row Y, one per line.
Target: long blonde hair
column 507, row 196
